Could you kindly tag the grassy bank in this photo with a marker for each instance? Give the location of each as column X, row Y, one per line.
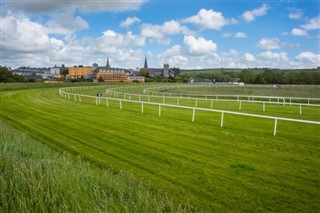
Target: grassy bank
column 33, row 178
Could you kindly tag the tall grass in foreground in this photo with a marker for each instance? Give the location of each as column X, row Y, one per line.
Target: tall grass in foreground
column 33, row 178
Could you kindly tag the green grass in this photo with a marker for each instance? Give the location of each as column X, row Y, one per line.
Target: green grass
column 240, row 167
column 35, row 178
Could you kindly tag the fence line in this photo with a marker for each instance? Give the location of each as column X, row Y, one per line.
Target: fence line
column 147, row 90
column 64, row 94
column 250, row 98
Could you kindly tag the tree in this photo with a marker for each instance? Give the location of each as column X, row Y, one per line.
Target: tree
column 248, row 76
column 100, row 79
column 64, row 72
column 144, row 72
column 7, row 76
column 176, row 71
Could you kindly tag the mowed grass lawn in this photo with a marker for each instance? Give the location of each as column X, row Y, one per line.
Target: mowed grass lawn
column 240, row 167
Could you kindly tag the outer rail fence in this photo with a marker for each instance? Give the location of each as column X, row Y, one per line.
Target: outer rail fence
column 62, row 92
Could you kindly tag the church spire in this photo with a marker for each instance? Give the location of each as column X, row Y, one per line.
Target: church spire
column 145, row 63
column 108, row 65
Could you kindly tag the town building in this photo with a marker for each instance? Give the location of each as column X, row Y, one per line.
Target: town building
column 29, row 72
column 79, row 72
column 57, row 72
column 165, row 72
column 111, row 74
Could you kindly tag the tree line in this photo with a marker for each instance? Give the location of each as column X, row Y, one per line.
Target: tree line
column 278, row 77
column 6, row 76
column 256, row 76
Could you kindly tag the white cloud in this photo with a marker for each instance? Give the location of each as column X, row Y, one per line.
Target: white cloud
column 249, row 57
column 295, row 13
column 27, row 43
column 269, row 44
column 159, row 32
column 199, row 46
column 173, row 57
column 209, row 19
column 65, row 23
column 250, row 15
column 241, row 35
column 299, row 32
column 309, row 58
column 87, row 6
column 20, row 34
column 268, row 55
column 312, row 24
column 226, row 35
column 233, row 52
column 129, row 22
column 111, row 41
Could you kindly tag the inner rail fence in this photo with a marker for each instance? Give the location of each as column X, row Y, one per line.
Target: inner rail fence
column 283, row 100
column 264, row 100
column 77, row 97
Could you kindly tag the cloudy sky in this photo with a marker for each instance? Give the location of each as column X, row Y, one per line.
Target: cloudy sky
column 182, row 33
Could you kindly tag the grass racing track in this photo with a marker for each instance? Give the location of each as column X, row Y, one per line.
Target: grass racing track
column 240, row 167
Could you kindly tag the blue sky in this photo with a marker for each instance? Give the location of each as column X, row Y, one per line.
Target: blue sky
column 185, row 34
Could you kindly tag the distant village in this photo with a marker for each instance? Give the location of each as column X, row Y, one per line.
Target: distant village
column 94, row 73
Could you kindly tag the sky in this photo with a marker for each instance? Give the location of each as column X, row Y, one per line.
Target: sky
column 189, row 34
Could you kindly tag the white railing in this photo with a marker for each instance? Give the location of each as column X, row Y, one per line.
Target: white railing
column 251, row 99
column 77, row 97
column 275, row 100
column 237, row 97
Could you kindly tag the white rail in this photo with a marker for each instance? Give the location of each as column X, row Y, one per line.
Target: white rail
column 62, row 92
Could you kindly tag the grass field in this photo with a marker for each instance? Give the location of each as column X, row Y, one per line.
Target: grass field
column 240, row 167
column 35, row 178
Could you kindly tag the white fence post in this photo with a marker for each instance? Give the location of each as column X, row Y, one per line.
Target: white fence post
column 159, row 110
column 275, row 127
column 300, row 109
column 196, row 102
column 193, row 114
column 120, row 102
column 264, row 107
column 221, row 124
column 240, row 105
column 107, row 102
column 142, row 107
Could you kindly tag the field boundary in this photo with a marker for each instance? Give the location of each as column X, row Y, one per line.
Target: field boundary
column 77, row 97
